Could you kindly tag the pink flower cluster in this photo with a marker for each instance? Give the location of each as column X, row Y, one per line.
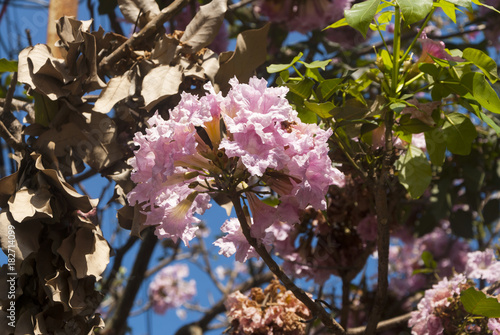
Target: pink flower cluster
column 432, row 316
column 273, row 310
column 448, row 252
column 169, row 289
column 424, row 321
column 252, row 138
column 303, row 16
column 483, row 265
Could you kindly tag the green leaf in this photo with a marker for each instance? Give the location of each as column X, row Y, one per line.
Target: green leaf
column 8, row 65
column 414, row 171
column 477, row 2
column 271, row 201
column 412, row 126
column 45, row 109
column 302, row 88
column 436, row 146
column 316, row 64
column 273, row 68
column 491, row 211
column 386, row 58
column 490, row 122
column 449, row 9
column 414, row 11
column 328, row 87
column 462, row 3
column 314, row 74
column 459, row 133
column 321, row 109
column 361, row 15
column 477, row 303
column 482, row 61
column 340, row 23
column 428, row 259
column 481, row 90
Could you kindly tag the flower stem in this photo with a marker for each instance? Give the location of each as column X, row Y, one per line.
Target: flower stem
column 316, row 309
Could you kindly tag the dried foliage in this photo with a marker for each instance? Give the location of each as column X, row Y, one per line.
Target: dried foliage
column 60, row 252
column 59, row 247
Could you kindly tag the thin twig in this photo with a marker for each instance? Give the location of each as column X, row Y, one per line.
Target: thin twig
column 208, row 268
column 148, row 31
column 315, row 308
column 10, row 139
column 383, row 325
column 10, row 93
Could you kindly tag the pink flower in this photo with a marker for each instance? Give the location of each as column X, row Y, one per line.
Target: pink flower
column 180, row 161
column 434, row 49
column 494, row 326
column 169, row 289
column 235, row 242
column 424, row 321
column 483, row 265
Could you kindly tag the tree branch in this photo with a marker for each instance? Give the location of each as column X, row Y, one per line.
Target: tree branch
column 316, row 309
column 383, row 325
column 383, row 235
column 118, row 323
column 148, row 31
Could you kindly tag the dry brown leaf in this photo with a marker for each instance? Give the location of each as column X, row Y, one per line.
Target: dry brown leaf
column 118, row 88
column 161, row 82
column 204, row 27
column 57, row 289
column 164, row 50
column 250, row 52
column 88, row 137
column 26, row 238
column 210, row 64
column 91, row 253
column 131, row 9
column 75, row 199
column 29, row 204
column 7, row 188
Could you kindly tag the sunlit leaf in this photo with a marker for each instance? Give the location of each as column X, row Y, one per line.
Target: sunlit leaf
column 414, row 11
column 482, row 91
column 340, row 23
column 273, row 68
column 8, row 65
column 321, row 109
column 462, row 3
column 302, row 88
column 482, row 61
column 327, row 88
column 205, row 26
column 477, row 2
column 318, row 64
column 477, row 303
column 361, row 15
